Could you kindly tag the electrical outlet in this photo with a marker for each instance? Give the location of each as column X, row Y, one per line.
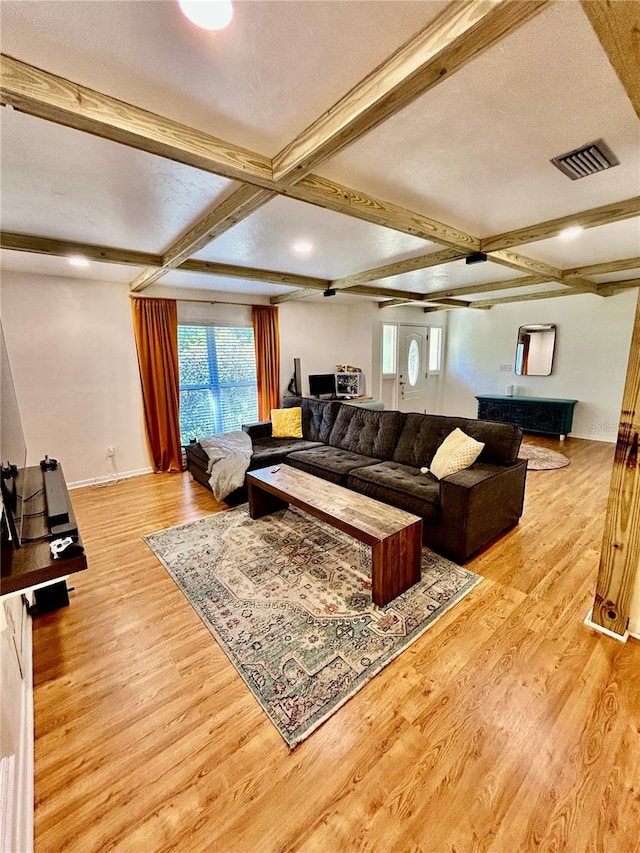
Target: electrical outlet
column 506, row 368
column 111, row 451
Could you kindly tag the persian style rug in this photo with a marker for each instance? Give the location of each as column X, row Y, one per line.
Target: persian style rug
column 288, row 598
column 541, row 459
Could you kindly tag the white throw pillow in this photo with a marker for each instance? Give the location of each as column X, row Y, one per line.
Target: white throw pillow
column 456, row 453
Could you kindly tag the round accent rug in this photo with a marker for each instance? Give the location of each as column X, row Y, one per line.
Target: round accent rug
column 541, row 459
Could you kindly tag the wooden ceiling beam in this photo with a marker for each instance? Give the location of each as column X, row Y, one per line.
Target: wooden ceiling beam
column 420, row 262
column 107, row 254
column 39, row 93
column 355, row 290
column 617, row 26
column 68, row 248
column 36, row 92
column 516, row 261
column 603, row 269
column 253, row 274
column 55, row 99
column 525, row 297
column 612, row 287
column 393, row 303
column 460, row 33
column 223, row 216
column 487, row 287
column 330, row 195
column 592, row 218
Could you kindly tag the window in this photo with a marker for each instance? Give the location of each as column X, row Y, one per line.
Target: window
column 389, row 338
column 413, row 363
column 218, row 390
column 435, row 349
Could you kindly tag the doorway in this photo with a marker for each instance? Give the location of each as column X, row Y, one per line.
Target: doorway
column 412, row 368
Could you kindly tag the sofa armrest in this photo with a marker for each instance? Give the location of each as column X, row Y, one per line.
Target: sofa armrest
column 260, row 429
column 479, row 503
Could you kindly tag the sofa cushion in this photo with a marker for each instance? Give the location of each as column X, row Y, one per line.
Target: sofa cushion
column 457, row 452
column 329, row 463
column 422, row 435
column 365, row 432
column 318, row 416
column 399, row 485
column 272, row 451
column 286, row 423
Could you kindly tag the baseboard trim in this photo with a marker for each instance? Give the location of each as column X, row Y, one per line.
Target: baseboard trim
column 621, row 638
column 607, row 438
column 109, row 478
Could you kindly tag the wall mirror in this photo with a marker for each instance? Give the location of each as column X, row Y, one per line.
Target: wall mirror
column 534, row 350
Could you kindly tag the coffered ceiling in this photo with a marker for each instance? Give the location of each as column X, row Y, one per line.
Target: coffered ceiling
column 393, row 137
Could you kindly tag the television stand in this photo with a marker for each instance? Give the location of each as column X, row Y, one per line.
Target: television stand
column 25, row 570
column 33, row 565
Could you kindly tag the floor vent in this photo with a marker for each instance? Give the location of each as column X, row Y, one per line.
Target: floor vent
column 588, row 160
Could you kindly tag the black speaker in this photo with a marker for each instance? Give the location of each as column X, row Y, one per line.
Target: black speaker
column 297, row 376
column 295, row 386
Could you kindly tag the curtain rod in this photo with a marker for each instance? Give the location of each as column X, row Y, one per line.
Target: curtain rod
column 199, row 301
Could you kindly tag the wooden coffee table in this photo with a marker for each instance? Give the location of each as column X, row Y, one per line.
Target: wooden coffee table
column 395, row 536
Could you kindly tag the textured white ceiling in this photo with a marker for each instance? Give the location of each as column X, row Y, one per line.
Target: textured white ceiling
column 592, row 246
column 341, row 245
column 40, row 265
column 62, row 183
column 455, row 274
column 257, row 83
column 473, row 152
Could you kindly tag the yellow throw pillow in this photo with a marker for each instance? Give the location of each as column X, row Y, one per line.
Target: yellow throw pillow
column 457, row 452
column 286, row 423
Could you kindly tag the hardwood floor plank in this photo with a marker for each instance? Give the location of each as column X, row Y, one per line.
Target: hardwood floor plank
column 508, row 726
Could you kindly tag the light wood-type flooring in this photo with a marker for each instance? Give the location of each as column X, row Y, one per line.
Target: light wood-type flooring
column 508, row 727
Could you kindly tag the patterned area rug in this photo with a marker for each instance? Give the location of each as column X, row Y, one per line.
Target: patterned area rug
column 541, row 459
column 288, row 598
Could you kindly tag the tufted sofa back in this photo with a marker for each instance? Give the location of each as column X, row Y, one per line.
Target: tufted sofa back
column 318, row 416
column 366, row 432
column 422, row 435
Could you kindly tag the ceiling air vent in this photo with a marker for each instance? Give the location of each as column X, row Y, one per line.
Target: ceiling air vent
column 591, row 158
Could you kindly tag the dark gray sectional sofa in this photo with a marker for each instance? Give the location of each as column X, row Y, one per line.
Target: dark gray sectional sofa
column 380, row 453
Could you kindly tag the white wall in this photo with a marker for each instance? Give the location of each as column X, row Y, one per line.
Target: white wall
column 590, row 364
column 323, row 336
column 72, row 354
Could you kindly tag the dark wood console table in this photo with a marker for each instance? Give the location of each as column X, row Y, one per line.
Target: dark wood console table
column 32, row 565
column 28, row 568
column 544, row 415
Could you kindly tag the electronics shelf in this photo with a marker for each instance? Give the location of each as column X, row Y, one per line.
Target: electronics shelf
column 33, row 564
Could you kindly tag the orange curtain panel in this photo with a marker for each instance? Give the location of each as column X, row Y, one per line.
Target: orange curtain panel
column 155, row 323
column 266, row 333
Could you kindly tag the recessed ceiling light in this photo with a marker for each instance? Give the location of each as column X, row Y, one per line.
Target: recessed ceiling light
column 208, row 14
column 302, row 247
column 570, row 233
column 78, row 261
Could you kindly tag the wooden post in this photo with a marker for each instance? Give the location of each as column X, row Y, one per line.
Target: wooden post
column 620, row 557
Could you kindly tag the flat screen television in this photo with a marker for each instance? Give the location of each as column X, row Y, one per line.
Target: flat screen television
column 322, row 384
column 13, row 452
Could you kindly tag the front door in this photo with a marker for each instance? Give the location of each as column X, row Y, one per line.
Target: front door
column 412, row 368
